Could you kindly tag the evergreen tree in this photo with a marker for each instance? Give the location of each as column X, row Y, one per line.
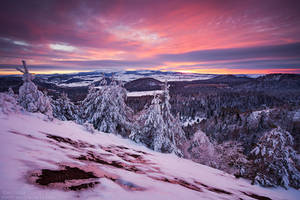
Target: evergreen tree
column 158, row 129
column 274, row 160
column 151, row 128
column 173, row 124
column 64, row 109
column 105, row 108
column 30, row 97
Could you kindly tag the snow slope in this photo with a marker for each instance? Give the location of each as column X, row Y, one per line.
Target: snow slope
column 43, row 159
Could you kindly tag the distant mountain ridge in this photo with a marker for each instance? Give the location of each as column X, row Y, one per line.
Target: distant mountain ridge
column 272, row 81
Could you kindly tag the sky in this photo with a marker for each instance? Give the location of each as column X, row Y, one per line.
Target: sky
column 213, row 36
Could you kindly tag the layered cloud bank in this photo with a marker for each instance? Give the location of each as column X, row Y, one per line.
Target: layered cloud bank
column 189, row 36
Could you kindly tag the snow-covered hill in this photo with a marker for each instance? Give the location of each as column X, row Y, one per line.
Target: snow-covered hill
column 43, row 159
column 87, row 78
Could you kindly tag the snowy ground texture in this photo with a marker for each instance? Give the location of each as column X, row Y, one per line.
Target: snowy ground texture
column 43, row 159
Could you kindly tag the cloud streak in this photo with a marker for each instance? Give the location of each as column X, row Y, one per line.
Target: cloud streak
column 274, row 51
column 122, row 64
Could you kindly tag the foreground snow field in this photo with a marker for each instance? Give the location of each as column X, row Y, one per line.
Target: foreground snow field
column 43, row 159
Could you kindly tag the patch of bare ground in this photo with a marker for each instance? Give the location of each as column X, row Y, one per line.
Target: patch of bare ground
column 213, row 189
column 65, row 178
column 92, row 157
column 25, row 135
column 48, row 176
column 77, row 178
column 76, row 144
column 178, row 181
column 255, row 196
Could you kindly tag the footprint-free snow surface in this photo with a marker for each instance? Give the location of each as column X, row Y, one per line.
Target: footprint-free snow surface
column 56, row 160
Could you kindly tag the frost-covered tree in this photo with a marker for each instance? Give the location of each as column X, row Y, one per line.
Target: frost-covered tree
column 274, row 160
column 200, row 149
column 30, row 97
column 8, row 104
column 158, row 129
column 105, row 108
column 173, row 124
column 64, row 109
column 227, row 156
column 152, row 128
column 230, row 158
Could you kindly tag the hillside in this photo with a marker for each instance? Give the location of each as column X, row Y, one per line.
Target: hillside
column 61, row 160
column 143, row 84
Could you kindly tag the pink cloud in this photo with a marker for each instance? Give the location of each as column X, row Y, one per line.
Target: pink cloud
column 141, row 30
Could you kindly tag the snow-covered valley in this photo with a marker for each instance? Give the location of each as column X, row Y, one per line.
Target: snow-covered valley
column 42, row 159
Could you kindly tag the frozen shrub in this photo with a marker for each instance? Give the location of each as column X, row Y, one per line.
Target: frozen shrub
column 8, row 104
column 89, row 127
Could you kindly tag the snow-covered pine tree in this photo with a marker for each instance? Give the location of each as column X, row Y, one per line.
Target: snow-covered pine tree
column 88, row 105
column 105, row 108
column 30, row 97
column 174, row 128
column 274, row 160
column 64, row 109
column 152, row 127
column 158, row 129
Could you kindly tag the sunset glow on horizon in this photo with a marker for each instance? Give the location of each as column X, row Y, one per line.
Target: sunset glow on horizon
column 191, row 36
